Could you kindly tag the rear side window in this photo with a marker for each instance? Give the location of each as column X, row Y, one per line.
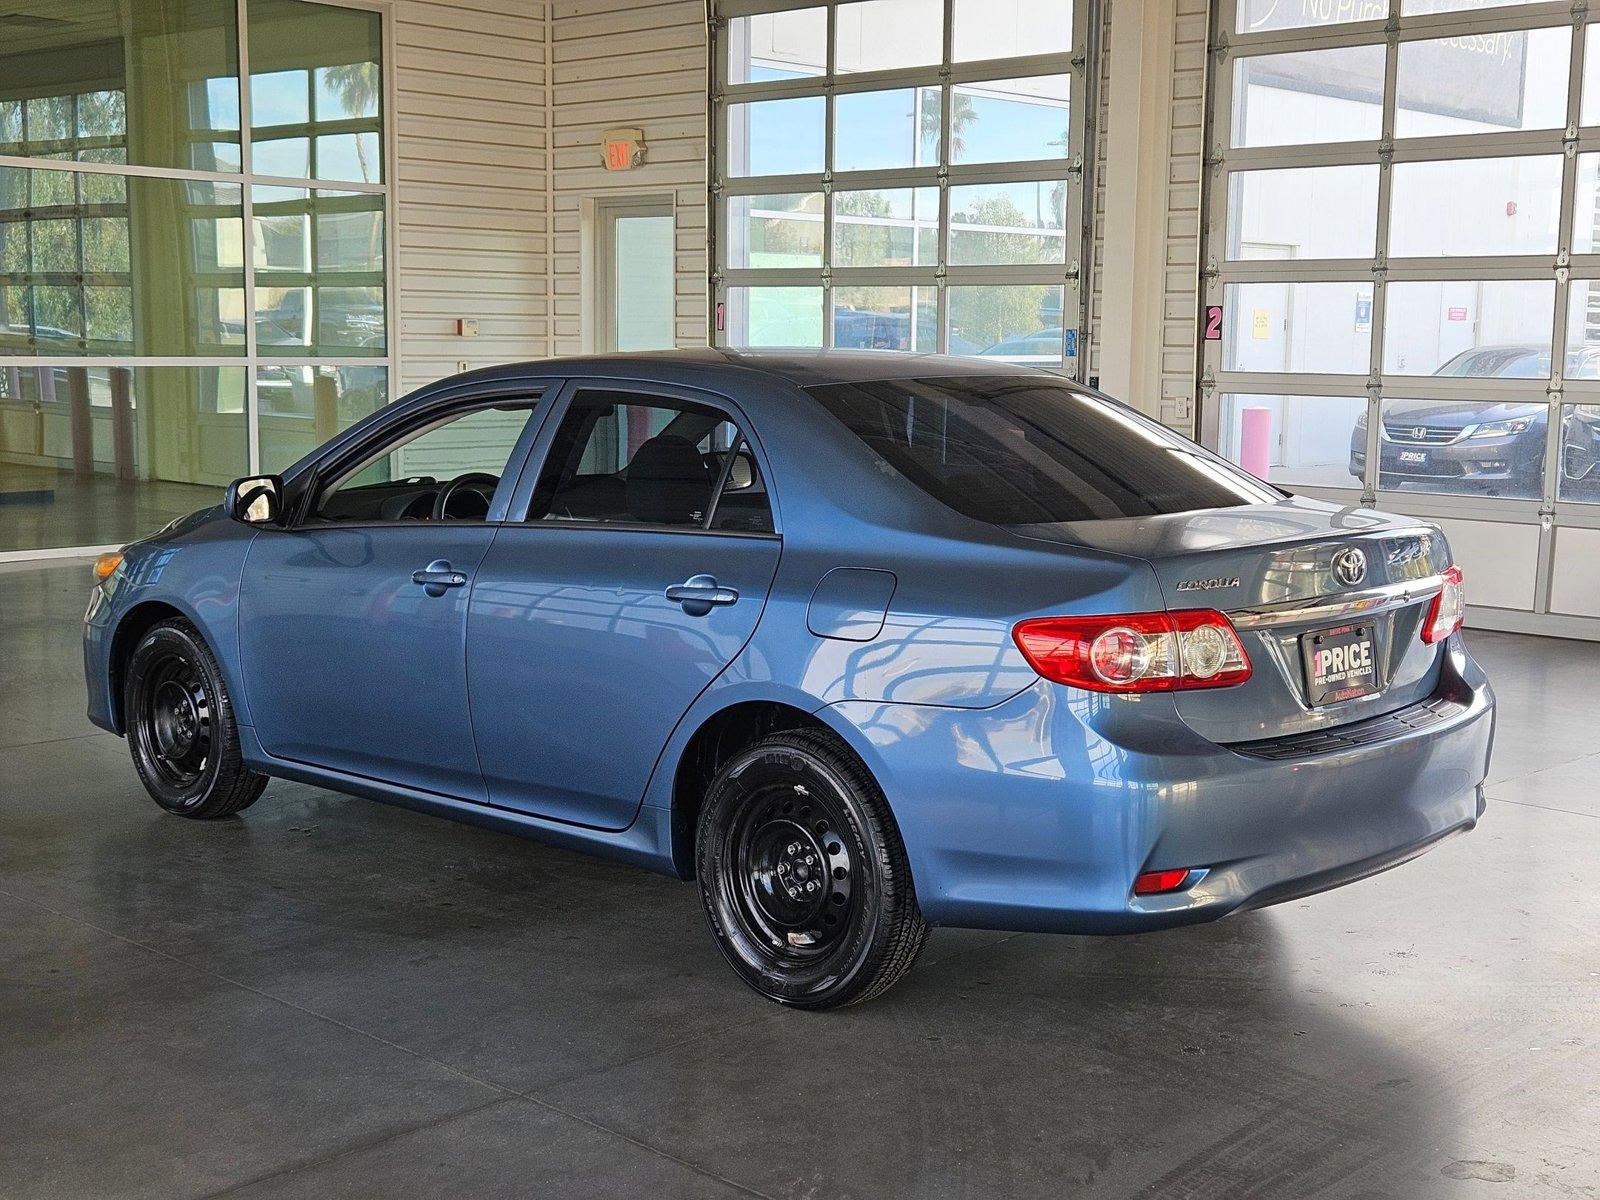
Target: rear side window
column 1017, row 451
column 621, row 458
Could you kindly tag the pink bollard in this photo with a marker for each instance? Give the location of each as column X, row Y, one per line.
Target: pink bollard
column 1255, row 440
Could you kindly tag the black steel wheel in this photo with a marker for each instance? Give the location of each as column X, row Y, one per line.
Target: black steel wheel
column 803, row 875
column 180, row 726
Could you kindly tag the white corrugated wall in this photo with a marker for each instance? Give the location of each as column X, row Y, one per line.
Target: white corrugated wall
column 627, row 63
column 1181, row 254
column 470, row 172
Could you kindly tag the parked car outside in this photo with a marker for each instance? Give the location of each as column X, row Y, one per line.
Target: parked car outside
column 864, row 643
column 1492, row 447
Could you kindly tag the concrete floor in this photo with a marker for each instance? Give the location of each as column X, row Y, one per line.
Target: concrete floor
column 327, row 997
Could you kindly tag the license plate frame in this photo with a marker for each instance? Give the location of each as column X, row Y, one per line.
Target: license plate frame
column 1349, row 671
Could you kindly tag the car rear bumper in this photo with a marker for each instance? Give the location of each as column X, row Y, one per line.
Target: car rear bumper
column 1039, row 813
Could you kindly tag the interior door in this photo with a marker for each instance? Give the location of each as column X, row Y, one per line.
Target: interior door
column 354, row 622
column 639, row 574
column 634, row 273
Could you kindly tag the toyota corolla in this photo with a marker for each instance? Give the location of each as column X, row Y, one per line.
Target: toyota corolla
column 863, row 643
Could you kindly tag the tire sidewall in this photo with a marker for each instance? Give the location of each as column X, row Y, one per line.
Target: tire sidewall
column 161, row 641
column 846, row 969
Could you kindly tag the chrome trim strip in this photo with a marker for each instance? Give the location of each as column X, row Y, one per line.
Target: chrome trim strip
column 1344, row 604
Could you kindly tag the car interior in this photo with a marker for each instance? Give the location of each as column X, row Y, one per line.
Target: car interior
column 668, row 479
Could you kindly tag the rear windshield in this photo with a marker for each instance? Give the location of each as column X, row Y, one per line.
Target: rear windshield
column 1014, row 451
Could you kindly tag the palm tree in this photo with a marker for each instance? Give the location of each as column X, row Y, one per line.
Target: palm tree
column 961, row 115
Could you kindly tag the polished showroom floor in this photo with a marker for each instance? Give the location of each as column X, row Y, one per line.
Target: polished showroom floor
column 327, row 997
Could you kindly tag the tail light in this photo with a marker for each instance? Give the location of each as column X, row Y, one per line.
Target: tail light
column 1136, row 652
column 1448, row 609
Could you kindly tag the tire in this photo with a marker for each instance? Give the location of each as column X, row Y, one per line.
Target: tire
column 180, row 724
column 803, row 874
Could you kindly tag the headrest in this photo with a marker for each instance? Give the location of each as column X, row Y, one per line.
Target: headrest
column 668, row 482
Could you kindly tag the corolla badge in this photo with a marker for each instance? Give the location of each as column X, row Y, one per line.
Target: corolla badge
column 1350, row 566
column 1206, row 585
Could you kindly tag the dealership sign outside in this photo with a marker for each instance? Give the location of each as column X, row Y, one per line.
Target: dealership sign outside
column 1474, row 78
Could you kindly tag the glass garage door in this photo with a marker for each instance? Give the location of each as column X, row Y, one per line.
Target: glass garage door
column 902, row 175
column 1403, row 239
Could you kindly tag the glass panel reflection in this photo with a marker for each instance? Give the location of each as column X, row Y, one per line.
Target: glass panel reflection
column 318, row 260
column 774, row 316
column 877, row 35
column 776, row 137
column 1491, row 447
column 303, row 406
column 1315, row 327
column 877, row 131
column 1476, row 206
column 93, row 456
column 780, row 45
column 120, row 82
column 1303, row 212
column 775, row 230
column 1479, row 329
column 111, row 264
column 885, row 318
column 992, row 223
column 1298, row 441
column 1011, row 28
column 1259, row 16
column 1309, row 96
column 1580, row 453
column 1486, row 83
column 315, row 91
column 888, row 227
column 1011, row 323
column 1006, row 120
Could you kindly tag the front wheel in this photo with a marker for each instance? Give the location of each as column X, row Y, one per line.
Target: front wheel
column 803, row 875
column 180, row 724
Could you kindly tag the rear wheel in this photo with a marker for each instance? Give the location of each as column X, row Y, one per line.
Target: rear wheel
column 803, row 874
column 180, row 724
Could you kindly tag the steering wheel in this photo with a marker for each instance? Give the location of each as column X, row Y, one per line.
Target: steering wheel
column 480, row 482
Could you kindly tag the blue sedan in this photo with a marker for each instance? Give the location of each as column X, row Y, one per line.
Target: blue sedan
column 863, row 643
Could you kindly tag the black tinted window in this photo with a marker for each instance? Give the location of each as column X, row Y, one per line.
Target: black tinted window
column 1016, row 451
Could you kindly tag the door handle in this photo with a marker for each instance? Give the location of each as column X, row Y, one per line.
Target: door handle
column 699, row 594
column 437, row 577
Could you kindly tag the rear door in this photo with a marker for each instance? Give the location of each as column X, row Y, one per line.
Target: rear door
column 638, row 573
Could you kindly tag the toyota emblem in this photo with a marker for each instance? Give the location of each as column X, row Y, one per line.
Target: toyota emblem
column 1350, row 566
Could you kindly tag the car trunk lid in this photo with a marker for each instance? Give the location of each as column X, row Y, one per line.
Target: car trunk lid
column 1298, row 579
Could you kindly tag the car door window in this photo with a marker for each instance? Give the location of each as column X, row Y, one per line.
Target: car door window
column 621, row 458
column 446, row 469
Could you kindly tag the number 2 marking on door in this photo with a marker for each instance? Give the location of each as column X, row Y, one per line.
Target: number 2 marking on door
column 1213, row 322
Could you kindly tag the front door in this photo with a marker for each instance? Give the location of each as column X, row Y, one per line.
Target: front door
column 354, row 646
column 639, row 574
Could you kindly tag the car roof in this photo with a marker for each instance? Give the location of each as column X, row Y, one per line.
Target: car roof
column 800, row 366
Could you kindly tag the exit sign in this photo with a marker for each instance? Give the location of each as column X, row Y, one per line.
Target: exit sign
column 622, row 149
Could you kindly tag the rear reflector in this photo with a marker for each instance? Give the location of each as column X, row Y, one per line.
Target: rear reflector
column 1153, row 883
column 1136, row 652
column 1448, row 610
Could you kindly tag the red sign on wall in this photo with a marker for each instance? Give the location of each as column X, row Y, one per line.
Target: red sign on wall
column 1458, row 314
column 622, row 149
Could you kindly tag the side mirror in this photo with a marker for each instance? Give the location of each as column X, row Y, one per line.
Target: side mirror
column 742, row 473
column 256, row 500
